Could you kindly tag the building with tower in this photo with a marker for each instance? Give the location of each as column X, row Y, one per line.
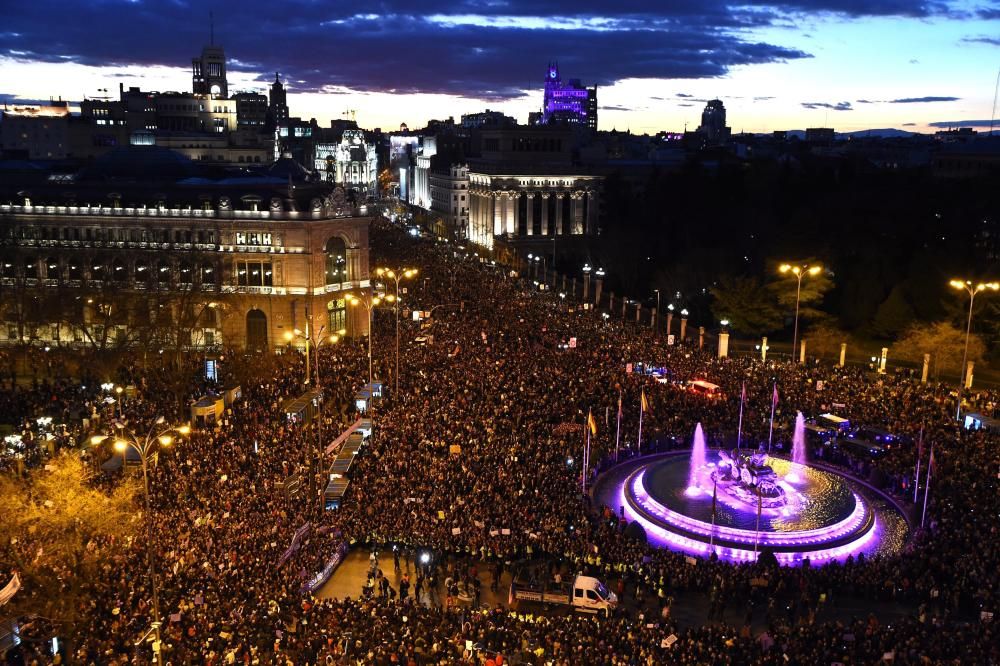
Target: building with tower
column 208, row 72
column 277, row 102
column 568, row 102
column 713, row 123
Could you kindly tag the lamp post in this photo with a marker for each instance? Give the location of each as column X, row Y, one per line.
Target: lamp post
column 972, row 291
column 144, row 446
column 370, row 301
column 396, row 276
column 799, row 272
column 586, row 282
column 670, row 317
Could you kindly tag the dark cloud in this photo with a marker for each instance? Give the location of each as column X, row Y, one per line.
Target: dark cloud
column 839, row 106
column 762, row 98
column 921, row 100
column 864, row 101
column 612, row 107
column 428, row 46
column 963, row 123
column 993, row 41
column 909, row 124
column 684, row 95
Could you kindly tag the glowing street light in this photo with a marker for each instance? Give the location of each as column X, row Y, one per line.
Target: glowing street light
column 967, row 285
column 798, row 272
column 125, row 439
column 398, row 275
column 370, row 301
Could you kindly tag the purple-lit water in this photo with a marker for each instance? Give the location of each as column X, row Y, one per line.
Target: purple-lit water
column 697, row 463
column 798, row 447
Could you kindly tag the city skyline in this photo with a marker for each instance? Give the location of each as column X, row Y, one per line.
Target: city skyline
column 787, row 64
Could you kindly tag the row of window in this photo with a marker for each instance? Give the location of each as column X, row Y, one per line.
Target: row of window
column 113, row 234
column 143, row 272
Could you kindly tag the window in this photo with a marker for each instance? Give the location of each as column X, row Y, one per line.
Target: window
column 254, row 274
column 337, row 312
column 336, row 261
column 142, row 273
column 207, row 274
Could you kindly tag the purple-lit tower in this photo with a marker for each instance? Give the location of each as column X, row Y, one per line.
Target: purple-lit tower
column 569, row 102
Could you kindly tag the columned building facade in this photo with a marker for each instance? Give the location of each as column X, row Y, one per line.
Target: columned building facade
column 524, row 206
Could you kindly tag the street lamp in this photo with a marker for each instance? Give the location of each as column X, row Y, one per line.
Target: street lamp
column 397, row 275
column 316, row 342
column 370, row 301
column 799, row 272
column 972, row 291
column 125, row 439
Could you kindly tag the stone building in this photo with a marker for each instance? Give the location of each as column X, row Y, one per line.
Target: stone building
column 145, row 248
column 526, row 185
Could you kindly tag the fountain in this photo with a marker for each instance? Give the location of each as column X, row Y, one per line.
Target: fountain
column 798, row 448
column 697, row 461
column 737, row 503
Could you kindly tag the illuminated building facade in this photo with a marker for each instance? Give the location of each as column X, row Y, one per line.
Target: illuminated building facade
column 143, row 249
column 351, row 163
column 569, row 102
column 525, row 186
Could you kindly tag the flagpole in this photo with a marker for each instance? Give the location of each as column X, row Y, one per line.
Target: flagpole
column 927, row 486
column 916, row 478
column 739, row 431
column 715, row 488
column 770, row 434
column 583, row 466
column 618, row 429
column 586, row 452
column 641, row 411
column 756, row 533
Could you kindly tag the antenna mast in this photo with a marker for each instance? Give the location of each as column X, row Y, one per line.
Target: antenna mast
column 993, row 115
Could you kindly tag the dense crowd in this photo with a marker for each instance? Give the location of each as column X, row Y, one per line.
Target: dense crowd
column 477, row 459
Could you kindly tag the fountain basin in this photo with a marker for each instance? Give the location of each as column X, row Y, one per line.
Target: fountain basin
column 822, row 516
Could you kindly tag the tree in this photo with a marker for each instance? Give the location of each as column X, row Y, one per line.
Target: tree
column 749, row 307
column 943, row 341
column 894, row 314
column 59, row 533
column 824, row 341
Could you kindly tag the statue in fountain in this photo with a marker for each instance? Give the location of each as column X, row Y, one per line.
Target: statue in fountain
column 750, row 470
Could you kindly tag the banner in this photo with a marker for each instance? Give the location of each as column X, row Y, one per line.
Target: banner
column 10, row 589
column 296, row 539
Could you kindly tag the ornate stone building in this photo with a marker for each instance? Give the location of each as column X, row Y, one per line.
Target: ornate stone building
column 526, row 186
column 143, row 248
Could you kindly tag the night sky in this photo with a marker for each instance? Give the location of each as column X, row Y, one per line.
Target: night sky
column 849, row 64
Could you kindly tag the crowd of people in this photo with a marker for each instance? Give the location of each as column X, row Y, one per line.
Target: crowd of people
column 477, row 459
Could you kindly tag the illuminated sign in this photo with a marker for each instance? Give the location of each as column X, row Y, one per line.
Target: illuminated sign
column 253, row 238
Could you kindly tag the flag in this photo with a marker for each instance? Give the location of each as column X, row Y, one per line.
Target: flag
column 592, row 423
column 619, row 404
column 715, row 490
column 644, row 405
column 774, row 398
column 930, row 463
column 743, row 393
